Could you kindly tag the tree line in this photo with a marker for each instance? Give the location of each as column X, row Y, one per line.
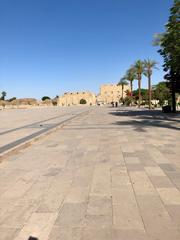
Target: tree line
column 169, row 43
column 135, row 72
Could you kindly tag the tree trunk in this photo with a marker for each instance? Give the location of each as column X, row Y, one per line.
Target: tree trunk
column 149, row 88
column 131, row 91
column 173, row 90
column 173, row 97
column 122, row 92
column 131, row 87
column 139, row 93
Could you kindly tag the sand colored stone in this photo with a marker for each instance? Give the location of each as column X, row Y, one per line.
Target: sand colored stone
column 103, row 176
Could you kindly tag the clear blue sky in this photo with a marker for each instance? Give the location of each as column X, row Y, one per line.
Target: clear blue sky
column 51, row 46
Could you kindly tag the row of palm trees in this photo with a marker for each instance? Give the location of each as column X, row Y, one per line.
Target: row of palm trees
column 135, row 72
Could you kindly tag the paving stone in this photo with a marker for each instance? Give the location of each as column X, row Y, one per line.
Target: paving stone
column 39, row 225
column 154, row 171
column 161, row 182
column 72, row 215
column 132, row 160
column 167, row 167
column 119, row 177
column 158, row 223
column 174, row 212
column 77, row 195
column 17, row 215
column 97, row 233
column 119, row 234
column 135, row 167
column 65, row 233
column 157, row 156
column 8, row 233
column 101, row 182
column 99, row 206
column 98, row 221
column 54, row 196
column 170, row 196
column 142, row 184
column 99, row 177
column 127, row 217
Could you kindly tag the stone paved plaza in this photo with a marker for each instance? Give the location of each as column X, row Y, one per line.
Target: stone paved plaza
column 110, row 174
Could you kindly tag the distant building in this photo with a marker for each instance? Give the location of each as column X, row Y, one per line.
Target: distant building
column 74, row 98
column 111, row 93
column 108, row 93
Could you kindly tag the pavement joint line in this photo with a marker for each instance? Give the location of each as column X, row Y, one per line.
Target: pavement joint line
column 25, row 142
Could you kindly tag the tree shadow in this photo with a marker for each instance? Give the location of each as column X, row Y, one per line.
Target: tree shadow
column 143, row 119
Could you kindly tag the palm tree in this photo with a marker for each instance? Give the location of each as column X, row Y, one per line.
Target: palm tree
column 122, row 83
column 131, row 76
column 149, row 65
column 139, row 69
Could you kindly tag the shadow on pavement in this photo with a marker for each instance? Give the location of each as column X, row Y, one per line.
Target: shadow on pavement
column 142, row 119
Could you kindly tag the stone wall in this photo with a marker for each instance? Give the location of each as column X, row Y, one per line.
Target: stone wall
column 111, row 93
column 69, row 99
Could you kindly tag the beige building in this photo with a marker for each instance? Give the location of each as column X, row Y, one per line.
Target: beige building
column 108, row 93
column 74, row 98
column 111, row 93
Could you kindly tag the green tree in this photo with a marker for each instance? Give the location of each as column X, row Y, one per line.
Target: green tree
column 149, row 65
column 45, row 98
column 3, row 95
column 144, row 94
column 83, row 101
column 169, row 43
column 161, row 92
column 122, row 83
column 139, row 69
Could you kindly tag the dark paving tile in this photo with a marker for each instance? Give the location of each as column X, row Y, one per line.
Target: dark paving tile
column 174, row 211
column 167, row 167
column 161, row 181
column 135, row 167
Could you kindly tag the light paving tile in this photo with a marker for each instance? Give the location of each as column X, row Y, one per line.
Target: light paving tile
column 126, row 214
column 142, row 184
column 77, row 195
column 170, row 196
column 157, row 156
column 100, row 221
column 154, row 171
column 72, row 215
column 8, row 233
column 132, row 160
column 17, row 216
column 39, row 226
column 54, row 196
column 101, row 182
column 99, row 206
column 158, row 223
column 65, row 233
column 127, row 217
column 119, row 234
column 97, row 233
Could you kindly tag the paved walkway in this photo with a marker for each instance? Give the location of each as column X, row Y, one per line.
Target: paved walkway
column 112, row 174
column 19, row 126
